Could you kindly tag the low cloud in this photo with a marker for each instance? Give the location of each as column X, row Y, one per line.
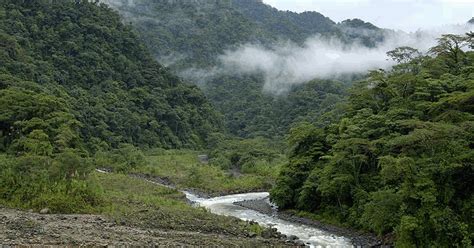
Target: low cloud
column 285, row 65
column 201, row 76
column 289, row 64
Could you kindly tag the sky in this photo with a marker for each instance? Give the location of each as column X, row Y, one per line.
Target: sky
column 406, row 15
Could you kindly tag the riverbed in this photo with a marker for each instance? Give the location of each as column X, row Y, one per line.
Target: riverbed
column 224, row 205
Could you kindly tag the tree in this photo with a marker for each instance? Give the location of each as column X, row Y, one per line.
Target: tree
column 470, row 39
column 399, row 161
column 451, row 47
column 403, row 55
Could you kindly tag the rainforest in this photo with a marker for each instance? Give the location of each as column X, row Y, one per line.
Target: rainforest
column 231, row 123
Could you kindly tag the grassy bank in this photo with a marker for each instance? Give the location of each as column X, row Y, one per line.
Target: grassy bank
column 182, row 168
column 136, row 202
column 137, row 213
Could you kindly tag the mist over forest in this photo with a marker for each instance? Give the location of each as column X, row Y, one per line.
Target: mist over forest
column 152, row 122
column 285, row 64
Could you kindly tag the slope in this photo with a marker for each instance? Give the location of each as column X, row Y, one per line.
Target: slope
column 73, row 81
column 189, row 36
column 82, row 54
column 400, row 161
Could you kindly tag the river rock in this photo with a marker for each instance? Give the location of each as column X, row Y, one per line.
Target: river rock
column 45, row 211
column 300, row 243
column 260, row 205
column 267, row 234
column 252, row 235
column 292, row 237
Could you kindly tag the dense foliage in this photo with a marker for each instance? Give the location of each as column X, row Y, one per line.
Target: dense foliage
column 81, row 54
column 79, row 91
column 193, row 33
column 400, row 160
column 75, row 80
column 248, row 156
column 297, row 27
column 189, row 36
column 250, row 113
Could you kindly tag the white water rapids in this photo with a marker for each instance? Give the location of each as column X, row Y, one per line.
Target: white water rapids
column 224, row 205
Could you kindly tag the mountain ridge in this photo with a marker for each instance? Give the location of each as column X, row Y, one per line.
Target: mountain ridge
column 242, row 21
column 191, row 37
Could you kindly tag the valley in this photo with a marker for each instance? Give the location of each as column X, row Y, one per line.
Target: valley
column 189, row 123
column 136, row 213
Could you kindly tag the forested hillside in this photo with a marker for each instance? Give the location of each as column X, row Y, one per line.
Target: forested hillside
column 75, row 80
column 297, row 27
column 250, row 113
column 198, row 31
column 400, row 160
column 87, row 84
column 189, row 36
column 83, row 55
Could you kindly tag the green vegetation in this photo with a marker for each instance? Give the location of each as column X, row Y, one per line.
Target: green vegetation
column 88, row 71
column 78, row 91
column 256, row 156
column 251, row 113
column 192, row 34
column 140, row 203
column 60, row 183
column 400, row 160
column 392, row 154
column 189, row 37
column 233, row 165
column 183, row 169
column 74, row 81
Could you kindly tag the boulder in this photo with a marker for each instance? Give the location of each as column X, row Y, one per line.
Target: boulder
column 300, row 243
column 267, row 234
column 292, row 237
column 252, row 235
column 45, row 211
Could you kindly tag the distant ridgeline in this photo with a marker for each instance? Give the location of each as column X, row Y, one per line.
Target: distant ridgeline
column 73, row 75
column 198, row 4
column 189, row 36
column 203, row 29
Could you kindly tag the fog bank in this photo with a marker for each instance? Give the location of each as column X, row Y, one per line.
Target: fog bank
column 287, row 64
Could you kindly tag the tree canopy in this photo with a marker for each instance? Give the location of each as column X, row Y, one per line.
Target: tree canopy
column 190, row 36
column 74, row 80
column 79, row 59
column 400, row 159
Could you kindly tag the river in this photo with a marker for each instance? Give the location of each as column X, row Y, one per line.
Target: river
column 224, row 205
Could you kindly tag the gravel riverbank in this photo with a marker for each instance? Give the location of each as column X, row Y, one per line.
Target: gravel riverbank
column 133, row 221
column 20, row 228
column 264, row 206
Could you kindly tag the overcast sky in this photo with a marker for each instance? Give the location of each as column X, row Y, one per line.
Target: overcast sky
column 407, row 15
